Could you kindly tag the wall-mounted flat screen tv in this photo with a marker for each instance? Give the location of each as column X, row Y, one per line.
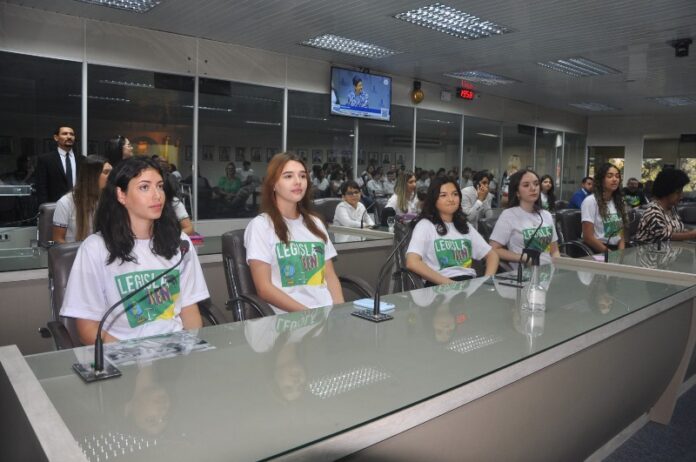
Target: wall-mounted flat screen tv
column 357, row 94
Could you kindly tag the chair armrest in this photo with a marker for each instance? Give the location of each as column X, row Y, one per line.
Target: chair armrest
column 357, row 285
column 576, row 244
column 261, row 307
column 409, row 280
column 211, row 312
column 60, row 335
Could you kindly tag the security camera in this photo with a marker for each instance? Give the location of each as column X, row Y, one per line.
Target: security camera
column 681, row 47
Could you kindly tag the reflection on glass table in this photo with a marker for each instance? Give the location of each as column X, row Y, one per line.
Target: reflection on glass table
column 325, row 368
column 669, row 256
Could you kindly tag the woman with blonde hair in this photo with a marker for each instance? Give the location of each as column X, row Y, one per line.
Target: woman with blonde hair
column 288, row 249
column 404, row 200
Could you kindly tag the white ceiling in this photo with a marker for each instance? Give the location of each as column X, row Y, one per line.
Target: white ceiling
column 628, row 35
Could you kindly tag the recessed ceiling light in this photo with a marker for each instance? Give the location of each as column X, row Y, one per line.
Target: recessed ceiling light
column 259, row 122
column 103, row 98
column 593, row 106
column 344, row 381
column 127, row 84
column 209, row 108
column 452, row 21
column 485, row 78
column 139, row 6
column 349, row 46
column 438, row 121
column 579, row 67
column 674, row 101
column 490, row 135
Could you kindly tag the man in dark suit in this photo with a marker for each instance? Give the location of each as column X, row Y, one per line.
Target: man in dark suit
column 56, row 171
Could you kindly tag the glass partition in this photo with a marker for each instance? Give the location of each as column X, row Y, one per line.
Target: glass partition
column 573, row 165
column 549, row 152
column 518, row 145
column 240, row 129
column 482, row 148
column 438, row 137
column 598, row 155
column 38, row 95
column 388, row 144
column 324, row 141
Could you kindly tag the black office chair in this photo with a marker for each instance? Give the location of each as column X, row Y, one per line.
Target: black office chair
column 634, row 217
column 403, row 279
column 44, row 226
column 326, row 207
column 386, row 213
column 244, row 300
column 485, row 227
column 64, row 329
column 570, row 233
column 561, row 205
column 687, row 212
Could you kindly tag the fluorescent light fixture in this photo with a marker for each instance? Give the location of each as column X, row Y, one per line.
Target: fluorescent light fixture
column 103, row 98
column 258, row 122
column 472, row 342
column 438, row 121
column 349, row 46
column 372, row 124
column 484, row 78
column 210, row 108
column 139, row 6
column 578, row 67
column 593, row 107
column 674, row 101
column 342, row 382
column 127, row 84
column 452, row 21
column 490, row 135
column 319, row 119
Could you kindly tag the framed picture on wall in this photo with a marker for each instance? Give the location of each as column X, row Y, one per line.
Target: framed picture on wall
column 400, row 160
column 270, row 152
column 207, row 152
column 373, row 157
column 256, row 154
column 303, row 154
column 317, row 156
column 331, row 156
column 224, row 153
column 188, row 153
column 386, row 158
column 239, row 154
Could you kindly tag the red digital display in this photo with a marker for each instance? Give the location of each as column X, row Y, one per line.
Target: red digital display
column 465, row 93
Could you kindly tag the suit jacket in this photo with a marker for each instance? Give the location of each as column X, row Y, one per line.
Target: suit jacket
column 51, row 183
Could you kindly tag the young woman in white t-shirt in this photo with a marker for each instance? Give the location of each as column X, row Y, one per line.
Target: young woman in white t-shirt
column 137, row 238
column 443, row 244
column 524, row 224
column 288, row 249
column 604, row 216
column 404, row 200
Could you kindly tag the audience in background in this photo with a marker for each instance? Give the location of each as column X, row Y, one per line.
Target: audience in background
column 660, row 221
column 603, row 212
column 56, row 171
column 580, row 195
column 374, row 186
column 117, row 149
column 633, row 195
column 548, row 196
column 404, row 201
column 476, row 199
column 350, row 211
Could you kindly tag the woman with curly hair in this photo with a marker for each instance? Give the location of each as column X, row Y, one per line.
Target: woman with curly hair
column 604, row 216
column 443, row 245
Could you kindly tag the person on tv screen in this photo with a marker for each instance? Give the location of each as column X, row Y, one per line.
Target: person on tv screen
column 358, row 97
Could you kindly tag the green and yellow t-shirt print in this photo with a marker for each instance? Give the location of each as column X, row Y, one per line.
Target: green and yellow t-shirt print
column 542, row 239
column 156, row 301
column 453, row 252
column 301, row 263
column 612, row 225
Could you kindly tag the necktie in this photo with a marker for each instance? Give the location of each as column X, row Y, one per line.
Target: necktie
column 68, row 170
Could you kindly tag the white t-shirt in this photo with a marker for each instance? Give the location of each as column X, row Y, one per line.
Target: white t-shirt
column 64, row 217
column 262, row 333
column 375, row 187
column 346, row 215
column 179, row 209
column 473, row 208
column 515, row 227
column 544, row 201
column 298, row 268
column 94, row 286
column 609, row 230
column 411, row 205
column 450, row 255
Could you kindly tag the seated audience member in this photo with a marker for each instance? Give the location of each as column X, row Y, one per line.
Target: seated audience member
column 660, row 221
column 580, row 195
column 603, row 213
column 476, row 199
column 72, row 219
column 229, row 184
column 136, row 239
column 548, row 196
column 288, row 249
column 246, row 172
column 466, row 180
column 350, row 211
column 374, row 186
column 117, row 149
column 443, row 245
column 423, row 180
column 404, row 200
column 633, row 195
column 524, row 224
column 320, row 184
column 389, row 183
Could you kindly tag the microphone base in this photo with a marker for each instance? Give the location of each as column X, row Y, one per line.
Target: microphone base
column 371, row 316
column 89, row 375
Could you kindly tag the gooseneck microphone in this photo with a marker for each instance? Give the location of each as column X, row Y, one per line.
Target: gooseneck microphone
column 97, row 372
column 362, row 217
column 376, row 315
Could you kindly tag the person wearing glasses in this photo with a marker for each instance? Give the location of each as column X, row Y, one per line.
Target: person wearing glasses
column 350, row 211
column 524, row 224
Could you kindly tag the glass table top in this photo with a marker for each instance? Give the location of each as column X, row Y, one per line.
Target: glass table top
column 668, row 256
column 275, row 384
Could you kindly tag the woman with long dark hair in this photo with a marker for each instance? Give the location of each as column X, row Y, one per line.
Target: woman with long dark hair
column 548, row 196
column 604, row 216
column 136, row 239
column 524, row 224
column 288, row 249
column 118, row 148
column 72, row 219
column 443, row 245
